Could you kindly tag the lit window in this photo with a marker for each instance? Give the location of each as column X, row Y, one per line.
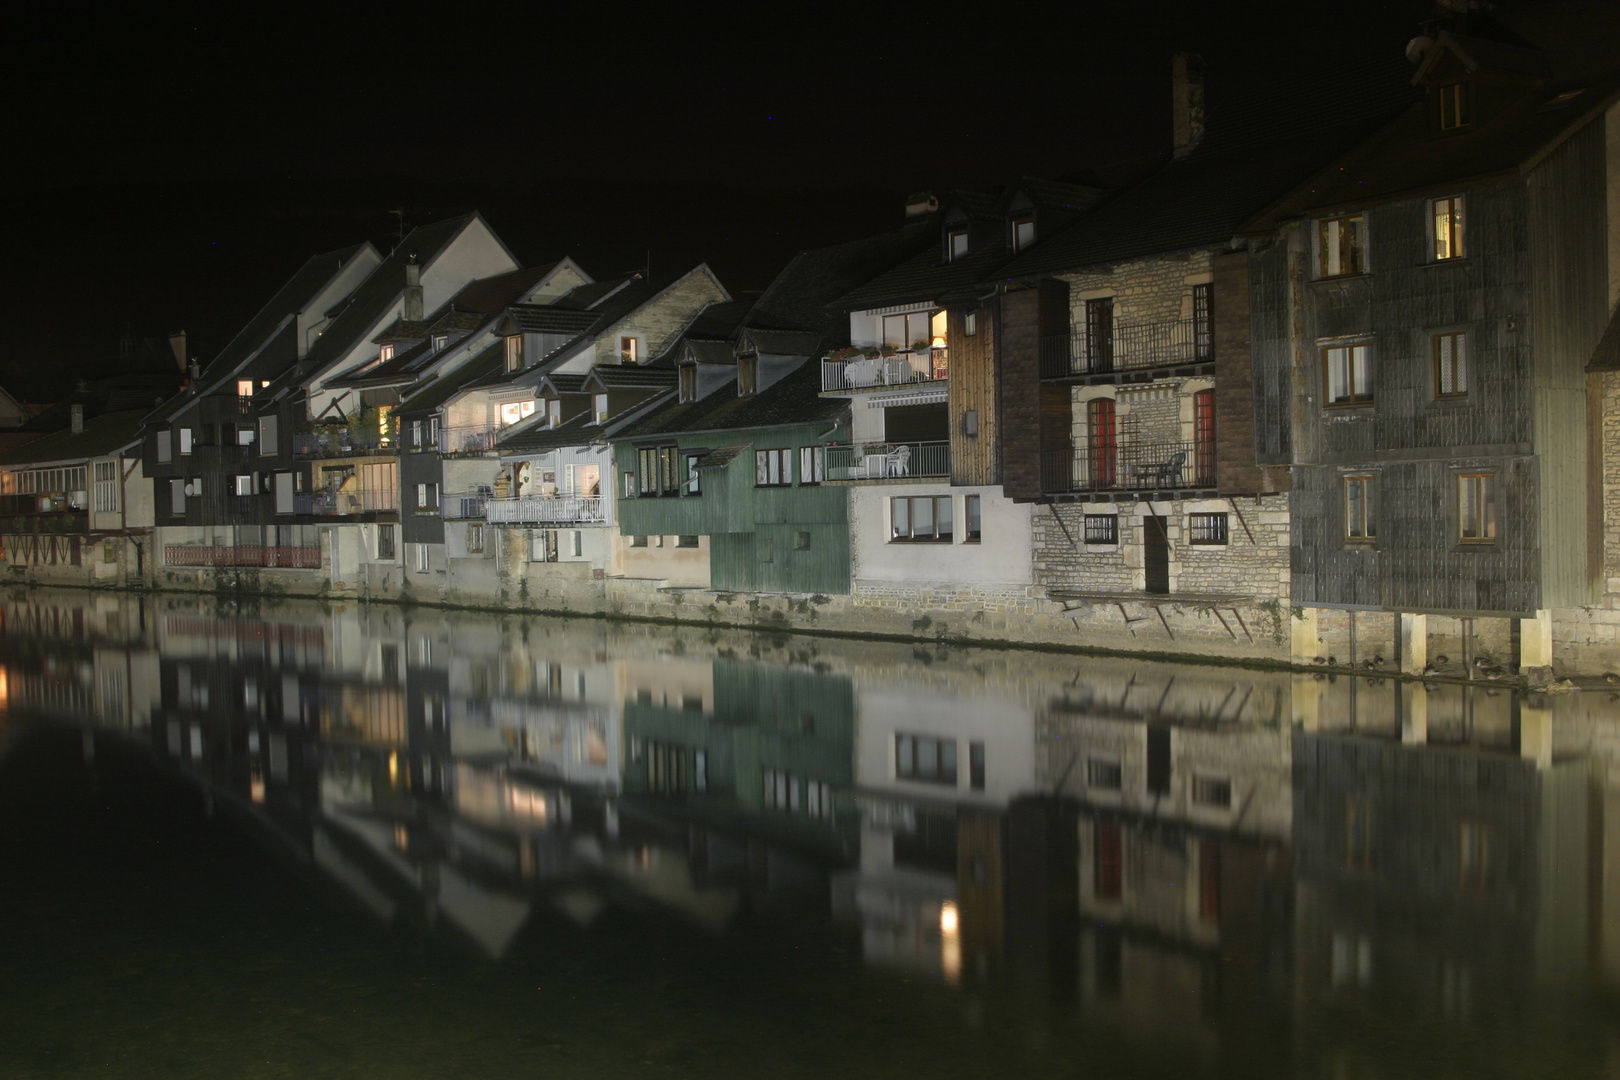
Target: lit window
column 1359, row 522
column 1456, row 108
column 1476, row 508
column 244, row 387
column 1206, row 528
column 630, row 350
column 385, row 354
column 1448, row 228
column 1341, row 246
column 956, row 244
column 1347, row 370
column 1023, row 233
column 970, row 514
column 1451, row 365
column 514, row 352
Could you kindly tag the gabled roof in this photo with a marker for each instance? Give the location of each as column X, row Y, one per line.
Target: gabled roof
column 924, row 278
column 706, row 351
column 799, row 297
column 795, row 399
column 630, row 376
column 102, row 435
column 545, row 319
column 305, row 284
column 488, row 295
column 431, row 395
column 559, row 382
column 574, row 431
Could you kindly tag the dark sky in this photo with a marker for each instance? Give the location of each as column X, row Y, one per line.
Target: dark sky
column 170, row 171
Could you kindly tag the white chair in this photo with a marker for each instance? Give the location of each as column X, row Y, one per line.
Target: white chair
column 900, row 461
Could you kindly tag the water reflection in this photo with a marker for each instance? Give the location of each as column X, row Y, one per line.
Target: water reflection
column 1284, row 871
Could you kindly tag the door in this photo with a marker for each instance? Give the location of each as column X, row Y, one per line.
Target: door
column 1204, row 428
column 1155, row 555
column 1104, row 443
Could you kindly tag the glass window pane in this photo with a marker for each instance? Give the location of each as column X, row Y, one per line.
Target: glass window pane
column 902, row 518
column 942, row 510
column 947, row 761
column 1363, row 371
column 923, row 513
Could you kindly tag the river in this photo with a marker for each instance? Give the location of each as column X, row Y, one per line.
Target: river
column 305, row 840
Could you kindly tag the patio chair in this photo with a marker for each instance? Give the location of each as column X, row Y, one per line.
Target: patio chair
column 900, row 461
column 1168, row 472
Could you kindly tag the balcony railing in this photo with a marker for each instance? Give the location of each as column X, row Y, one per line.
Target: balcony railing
column 301, row 558
column 345, row 503
column 881, row 461
column 1128, row 347
column 463, row 504
column 540, row 510
column 340, row 443
column 873, row 372
column 1129, row 467
column 55, row 502
column 468, row 438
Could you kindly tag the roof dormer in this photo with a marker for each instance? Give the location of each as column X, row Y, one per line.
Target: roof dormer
column 1469, row 79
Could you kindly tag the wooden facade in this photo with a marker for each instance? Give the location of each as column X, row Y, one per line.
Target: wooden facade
column 974, row 415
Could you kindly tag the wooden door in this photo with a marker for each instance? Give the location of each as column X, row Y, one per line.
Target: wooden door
column 1155, row 555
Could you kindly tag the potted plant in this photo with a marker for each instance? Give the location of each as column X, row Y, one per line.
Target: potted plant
column 871, row 352
column 921, row 348
column 888, row 351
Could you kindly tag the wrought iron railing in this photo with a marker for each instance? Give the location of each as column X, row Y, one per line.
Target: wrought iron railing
column 301, row 558
column 1128, row 347
column 881, row 461
column 1157, row 466
column 870, row 372
column 540, row 510
column 345, row 503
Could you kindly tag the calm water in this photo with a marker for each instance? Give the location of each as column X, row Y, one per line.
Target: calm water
column 310, row 841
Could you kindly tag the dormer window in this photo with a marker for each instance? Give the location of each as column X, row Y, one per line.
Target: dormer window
column 244, row 387
column 629, row 350
column 599, row 407
column 1456, row 108
column 440, row 341
column 385, row 354
column 747, row 376
column 514, row 353
column 688, row 383
column 956, row 244
column 1023, row 232
column 554, row 412
column 1341, row 246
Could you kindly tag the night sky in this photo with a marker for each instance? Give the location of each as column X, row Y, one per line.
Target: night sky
column 171, row 171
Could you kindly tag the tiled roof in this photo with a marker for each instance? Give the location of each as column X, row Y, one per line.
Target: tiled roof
column 488, row 295
column 785, row 342
column 721, row 456
column 545, row 319
column 564, row 382
column 442, row 389
column 102, row 435
column 540, row 436
column 712, row 352
column 796, row 399
column 925, row 278
column 798, row 298
column 289, row 300
column 632, row 375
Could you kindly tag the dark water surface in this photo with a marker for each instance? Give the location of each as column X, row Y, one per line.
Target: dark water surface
column 303, row 841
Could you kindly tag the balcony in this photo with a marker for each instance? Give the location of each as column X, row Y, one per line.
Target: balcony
column 285, row 558
column 468, row 438
column 1128, row 347
column 345, row 503
column 877, row 372
column 1159, row 466
column 541, row 510
column 889, row 461
column 340, row 443
column 463, row 504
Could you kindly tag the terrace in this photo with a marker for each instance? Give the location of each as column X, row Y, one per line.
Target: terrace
column 548, row 510
column 888, row 461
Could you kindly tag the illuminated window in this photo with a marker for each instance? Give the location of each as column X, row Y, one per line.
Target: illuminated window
column 1358, row 508
column 1451, row 365
column 1347, row 373
column 630, row 350
column 1456, row 105
column 385, row 354
column 514, row 352
column 244, row 387
column 1476, row 508
column 1341, row 246
column 1448, row 227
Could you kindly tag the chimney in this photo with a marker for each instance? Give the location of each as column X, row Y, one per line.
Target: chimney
column 921, row 204
column 76, row 417
column 413, row 290
column 1187, row 101
column 177, row 345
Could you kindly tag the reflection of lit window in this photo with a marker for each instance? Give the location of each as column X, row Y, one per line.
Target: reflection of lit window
column 1474, row 855
column 1350, row 960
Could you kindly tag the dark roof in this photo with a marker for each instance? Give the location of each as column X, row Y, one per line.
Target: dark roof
column 565, row 382
column 1606, row 357
column 545, row 319
column 707, row 351
column 796, row 399
column 581, row 297
column 486, row 296
column 400, row 368
column 435, row 393
column 289, row 300
column 633, row 376
column 798, row 298
column 540, row 436
column 722, row 456
column 925, row 277
column 379, row 291
column 101, row 435
column 784, row 342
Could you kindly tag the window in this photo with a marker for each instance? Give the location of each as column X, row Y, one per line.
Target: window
column 1102, row 528
column 165, row 446
column 956, row 244
column 106, row 487
column 385, row 541
column 932, row 761
column 268, row 437
column 773, row 468
column 577, row 543
column 694, row 479
column 433, row 431
column 630, row 350
column 1476, row 508
column 1347, row 371
column 1107, row 861
column 638, row 541
column 1456, row 105
column 970, row 324
column 421, row 558
column 1212, row 791
column 686, row 541
column 1359, row 522
column 1204, row 437
column 1451, row 365
column 1473, row 855
column 439, row 341
column 599, row 406
column 285, row 483
column 1100, row 334
column 1104, row 773
column 658, row 471
column 812, row 464
column 781, row 790
column 629, row 485
column 427, row 496
column 177, row 496
column 688, row 382
column 475, row 539
column 514, row 352
column 1341, row 246
column 244, row 387
column 747, row 375
column 1448, row 228
column 513, row 411
column 554, row 413
column 925, row 518
column 243, row 484
column 801, row 541
column 185, row 440
column 1206, row 528
column 817, row 799
column 976, row 766
column 970, row 514
column 1023, row 233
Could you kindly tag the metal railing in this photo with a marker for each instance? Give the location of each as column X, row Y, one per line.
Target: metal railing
column 870, row 372
column 1159, row 466
column 541, row 510
column 344, row 503
column 468, row 438
column 1128, row 347
column 55, row 502
column 463, row 504
column 301, row 558
column 339, row 443
column 881, row 461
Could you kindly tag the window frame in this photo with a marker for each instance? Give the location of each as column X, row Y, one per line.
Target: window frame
column 955, row 251
column 1458, row 362
column 385, row 541
column 1023, row 242
column 1364, row 512
column 1456, row 228
column 1488, row 499
column 972, row 519
column 908, row 756
column 1327, row 243
column 748, row 375
column 657, row 463
column 1350, row 349
column 812, row 465
column 782, row 458
column 1112, row 530
column 910, row 517
column 1458, row 94
column 1211, row 528
column 514, row 352
column 970, row 323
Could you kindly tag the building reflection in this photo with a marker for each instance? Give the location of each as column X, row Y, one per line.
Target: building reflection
column 1189, row 860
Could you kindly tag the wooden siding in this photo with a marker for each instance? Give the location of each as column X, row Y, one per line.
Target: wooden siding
column 974, row 458
column 1236, row 471
column 1020, row 393
column 1271, row 318
column 1568, row 259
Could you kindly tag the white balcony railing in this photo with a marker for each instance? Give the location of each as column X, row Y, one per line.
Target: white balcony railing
column 871, row 372
column 541, row 510
column 885, row 461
